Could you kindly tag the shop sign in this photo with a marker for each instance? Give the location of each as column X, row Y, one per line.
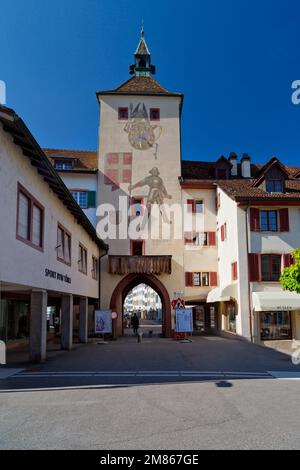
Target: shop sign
column 58, row 276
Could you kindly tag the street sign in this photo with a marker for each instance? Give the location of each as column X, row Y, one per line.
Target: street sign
column 114, row 315
column 178, row 304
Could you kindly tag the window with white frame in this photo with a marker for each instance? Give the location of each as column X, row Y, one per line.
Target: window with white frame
column 64, row 165
column 81, row 197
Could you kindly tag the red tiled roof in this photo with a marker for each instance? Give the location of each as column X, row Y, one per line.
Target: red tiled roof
column 84, row 160
column 241, row 188
column 141, row 86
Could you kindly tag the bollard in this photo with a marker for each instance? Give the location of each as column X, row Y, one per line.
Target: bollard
column 140, row 337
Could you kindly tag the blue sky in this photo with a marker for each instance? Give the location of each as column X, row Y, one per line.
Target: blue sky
column 234, row 60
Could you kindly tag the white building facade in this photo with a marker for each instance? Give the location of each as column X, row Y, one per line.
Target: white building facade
column 49, row 253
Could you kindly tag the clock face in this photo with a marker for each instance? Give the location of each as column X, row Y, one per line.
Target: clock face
column 141, row 136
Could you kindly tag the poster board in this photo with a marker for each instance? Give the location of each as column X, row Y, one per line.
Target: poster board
column 184, row 320
column 103, row 321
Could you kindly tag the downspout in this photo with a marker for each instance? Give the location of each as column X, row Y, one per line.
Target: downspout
column 249, row 287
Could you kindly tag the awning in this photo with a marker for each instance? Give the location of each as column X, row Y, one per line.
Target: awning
column 276, row 301
column 222, row 294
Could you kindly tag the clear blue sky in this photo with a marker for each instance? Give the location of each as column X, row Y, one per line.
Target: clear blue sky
column 234, row 60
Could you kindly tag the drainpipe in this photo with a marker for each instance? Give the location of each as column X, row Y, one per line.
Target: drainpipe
column 249, row 286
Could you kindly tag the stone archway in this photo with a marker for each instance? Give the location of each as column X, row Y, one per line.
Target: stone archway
column 133, row 280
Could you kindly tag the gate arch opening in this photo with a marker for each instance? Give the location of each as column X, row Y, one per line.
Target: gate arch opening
column 128, row 283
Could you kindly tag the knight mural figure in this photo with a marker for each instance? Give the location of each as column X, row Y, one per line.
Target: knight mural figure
column 157, row 192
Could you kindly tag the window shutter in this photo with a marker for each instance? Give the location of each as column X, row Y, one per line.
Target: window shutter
column 189, row 279
column 284, row 220
column 213, row 279
column 188, row 238
column 91, row 199
column 254, row 220
column 223, row 233
column 253, row 267
column 234, row 271
column 191, row 206
column 287, row 260
column 212, row 241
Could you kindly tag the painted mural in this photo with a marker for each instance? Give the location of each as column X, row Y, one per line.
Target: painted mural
column 142, row 135
column 157, row 193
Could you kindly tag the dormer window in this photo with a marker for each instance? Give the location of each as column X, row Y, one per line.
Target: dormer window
column 275, row 186
column 64, row 164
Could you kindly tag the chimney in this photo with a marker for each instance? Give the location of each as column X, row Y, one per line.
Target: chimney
column 233, row 159
column 246, row 166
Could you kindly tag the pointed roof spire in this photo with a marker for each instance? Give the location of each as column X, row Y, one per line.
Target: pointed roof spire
column 142, row 48
column 142, row 57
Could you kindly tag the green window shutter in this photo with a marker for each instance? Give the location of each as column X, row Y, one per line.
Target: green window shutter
column 91, row 199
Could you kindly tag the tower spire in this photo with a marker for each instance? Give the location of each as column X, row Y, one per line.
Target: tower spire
column 142, row 57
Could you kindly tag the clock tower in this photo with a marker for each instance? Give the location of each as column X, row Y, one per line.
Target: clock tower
column 140, row 163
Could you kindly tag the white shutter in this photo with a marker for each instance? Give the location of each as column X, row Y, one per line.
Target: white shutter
column 67, row 248
column 37, row 226
column 60, row 243
column 23, row 216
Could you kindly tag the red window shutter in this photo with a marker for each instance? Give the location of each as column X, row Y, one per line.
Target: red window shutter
column 188, row 238
column 223, row 233
column 254, row 220
column 287, row 260
column 253, row 267
column 212, row 240
column 213, row 279
column 191, row 206
column 284, row 220
column 189, row 279
column 234, row 271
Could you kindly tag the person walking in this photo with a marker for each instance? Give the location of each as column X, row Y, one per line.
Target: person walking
column 135, row 323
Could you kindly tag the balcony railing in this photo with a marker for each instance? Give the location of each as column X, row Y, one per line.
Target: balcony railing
column 140, row 265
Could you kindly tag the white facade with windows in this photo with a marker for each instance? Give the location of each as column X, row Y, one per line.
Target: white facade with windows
column 48, row 247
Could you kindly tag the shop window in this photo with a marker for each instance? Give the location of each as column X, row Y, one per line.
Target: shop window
column 270, row 268
column 275, row 326
column 231, row 318
column 14, row 320
column 199, row 319
column 30, row 219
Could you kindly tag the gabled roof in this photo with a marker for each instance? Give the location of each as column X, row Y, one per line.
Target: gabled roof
column 202, row 174
column 274, row 162
column 85, row 161
column 140, row 85
column 22, row 137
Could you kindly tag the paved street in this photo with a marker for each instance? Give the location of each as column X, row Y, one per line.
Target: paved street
column 160, row 394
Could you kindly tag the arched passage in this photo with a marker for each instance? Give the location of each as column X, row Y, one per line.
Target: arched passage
column 132, row 280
